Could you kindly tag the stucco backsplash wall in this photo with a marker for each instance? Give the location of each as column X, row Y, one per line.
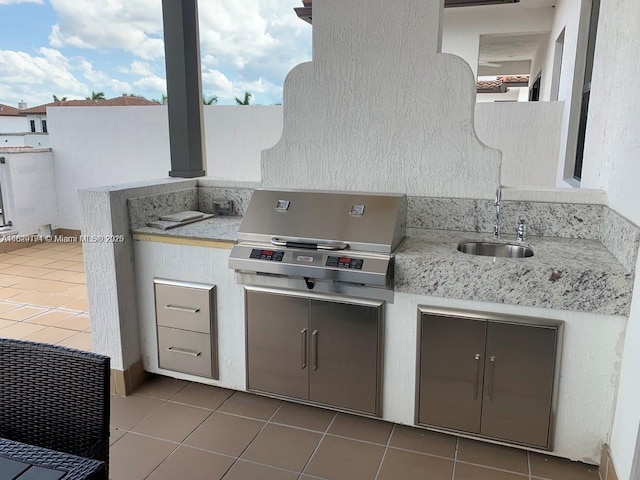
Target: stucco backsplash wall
column 372, row 112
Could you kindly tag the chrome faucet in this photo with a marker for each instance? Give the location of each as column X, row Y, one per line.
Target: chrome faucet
column 521, row 231
column 497, row 228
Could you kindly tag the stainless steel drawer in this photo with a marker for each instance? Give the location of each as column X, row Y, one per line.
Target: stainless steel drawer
column 185, row 306
column 184, row 351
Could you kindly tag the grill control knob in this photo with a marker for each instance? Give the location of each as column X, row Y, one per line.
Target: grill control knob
column 310, row 283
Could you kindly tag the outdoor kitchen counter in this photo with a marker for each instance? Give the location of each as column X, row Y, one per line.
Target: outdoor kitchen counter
column 563, row 274
column 219, row 231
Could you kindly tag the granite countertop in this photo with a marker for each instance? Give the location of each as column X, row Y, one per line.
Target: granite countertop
column 563, row 274
column 219, row 228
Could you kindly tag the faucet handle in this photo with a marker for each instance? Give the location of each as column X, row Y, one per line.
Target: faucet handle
column 521, row 231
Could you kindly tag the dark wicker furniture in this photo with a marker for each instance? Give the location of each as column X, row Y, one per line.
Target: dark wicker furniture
column 71, row 467
column 55, row 397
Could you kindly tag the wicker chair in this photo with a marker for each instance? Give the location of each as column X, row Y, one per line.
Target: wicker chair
column 55, row 397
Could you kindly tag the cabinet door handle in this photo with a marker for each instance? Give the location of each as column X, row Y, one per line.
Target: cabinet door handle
column 477, row 382
column 182, row 351
column 492, row 367
column 314, row 336
column 178, row 308
column 303, row 336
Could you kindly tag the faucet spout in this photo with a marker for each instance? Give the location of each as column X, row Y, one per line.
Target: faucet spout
column 497, row 228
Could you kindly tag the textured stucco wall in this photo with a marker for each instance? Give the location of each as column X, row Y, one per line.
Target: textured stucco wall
column 28, row 190
column 373, row 111
column 611, row 162
column 529, row 154
column 95, row 146
column 109, row 267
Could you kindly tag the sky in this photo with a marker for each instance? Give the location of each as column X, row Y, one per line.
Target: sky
column 70, row 48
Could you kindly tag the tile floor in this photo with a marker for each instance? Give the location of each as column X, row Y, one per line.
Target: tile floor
column 43, row 295
column 172, row 429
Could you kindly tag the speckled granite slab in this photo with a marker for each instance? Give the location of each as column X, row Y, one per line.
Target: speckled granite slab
column 216, row 228
column 240, row 197
column 151, row 207
column 621, row 237
column 579, row 275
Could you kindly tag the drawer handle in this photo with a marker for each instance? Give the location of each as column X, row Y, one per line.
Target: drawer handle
column 314, row 336
column 303, row 343
column 492, row 368
column 477, row 382
column 191, row 353
column 178, row 308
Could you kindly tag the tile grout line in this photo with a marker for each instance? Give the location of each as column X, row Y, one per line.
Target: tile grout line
column 386, row 449
column 455, row 459
column 315, row 450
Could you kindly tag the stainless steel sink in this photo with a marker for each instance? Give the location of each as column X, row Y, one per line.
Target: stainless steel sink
column 495, row 249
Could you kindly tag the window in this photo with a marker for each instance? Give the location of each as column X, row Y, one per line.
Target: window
column 32, row 123
column 534, row 91
column 557, row 67
column 44, row 126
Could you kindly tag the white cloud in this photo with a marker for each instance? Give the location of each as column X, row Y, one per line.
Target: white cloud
column 152, row 83
column 119, row 24
column 37, row 78
column 99, row 80
column 143, row 69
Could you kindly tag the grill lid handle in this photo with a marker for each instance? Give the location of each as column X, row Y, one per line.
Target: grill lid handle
column 332, row 246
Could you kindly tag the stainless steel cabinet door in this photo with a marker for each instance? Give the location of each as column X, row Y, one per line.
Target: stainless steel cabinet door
column 277, row 341
column 344, row 351
column 518, row 387
column 451, row 371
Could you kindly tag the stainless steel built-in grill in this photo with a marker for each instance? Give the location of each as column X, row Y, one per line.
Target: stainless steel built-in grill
column 323, row 241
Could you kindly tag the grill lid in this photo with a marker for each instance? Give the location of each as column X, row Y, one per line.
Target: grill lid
column 333, row 221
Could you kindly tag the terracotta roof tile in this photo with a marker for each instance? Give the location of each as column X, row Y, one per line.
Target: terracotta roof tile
column 124, row 101
column 515, row 79
column 491, row 86
column 8, row 111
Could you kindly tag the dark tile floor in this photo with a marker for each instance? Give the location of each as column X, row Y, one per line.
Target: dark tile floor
column 171, row 429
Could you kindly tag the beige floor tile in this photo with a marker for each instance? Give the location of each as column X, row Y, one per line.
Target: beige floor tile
column 77, row 267
column 80, row 304
column 249, row 405
column 192, row 464
column 79, row 278
column 22, row 313
column 62, row 255
column 554, row 468
column 133, row 457
column 161, row 387
column 78, row 257
column 12, row 259
column 226, row 434
column 250, row 471
column 5, row 324
column 126, row 412
column 8, row 292
column 39, row 262
column 303, row 416
column 79, row 341
column 7, row 306
column 474, row 472
column 60, row 264
column 57, row 275
column 172, row 422
column 283, row 447
column 344, row 459
column 40, row 299
column 45, row 286
column 200, row 395
column 495, row 456
column 51, row 317
column 424, row 441
column 76, row 291
column 25, row 271
column 414, row 466
column 115, row 435
column 43, row 246
column 49, row 335
column 19, row 330
column 361, row 428
column 9, row 280
column 78, row 322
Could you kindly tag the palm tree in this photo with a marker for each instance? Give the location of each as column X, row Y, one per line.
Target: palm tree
column 96, row 96
column 56, row 99
column 246, row 101
column 212, row 101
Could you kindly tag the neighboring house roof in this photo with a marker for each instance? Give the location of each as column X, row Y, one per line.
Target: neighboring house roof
column 8, row 111
column 491, row 86
column 124, row 101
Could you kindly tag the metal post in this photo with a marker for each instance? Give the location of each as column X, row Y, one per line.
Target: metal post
column 184, row 87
